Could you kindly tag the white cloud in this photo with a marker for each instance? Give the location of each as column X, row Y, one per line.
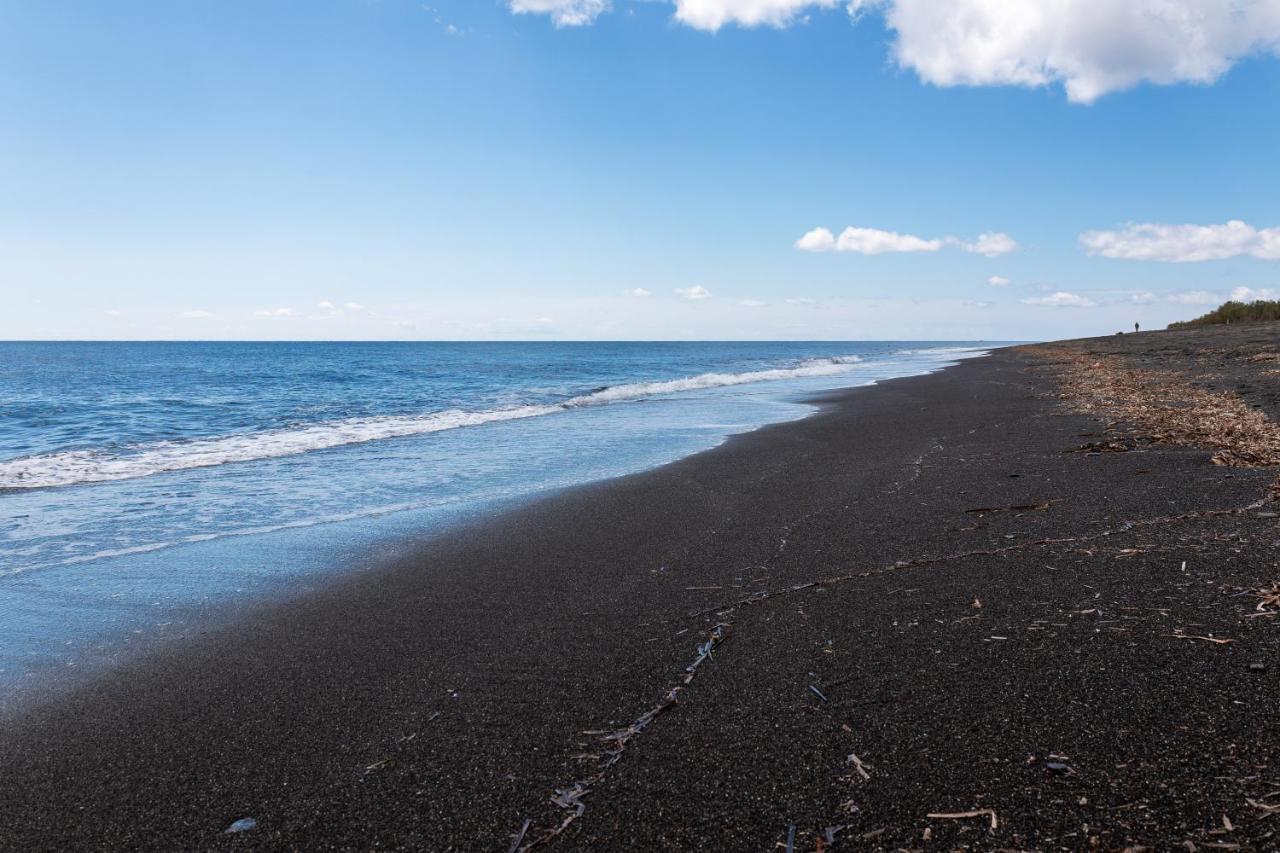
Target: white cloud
column 694, row 293
column 1248, row 294
column 874, row 241
column 1194, row 297
column 714, row 14
column 992, row 244
column 195, row 314
column 114, row 312
column 326, row 305
column 753, row 303
column 817, row 240
column 1091, row 47
column 639, row 292
column 274, row 312
column 564, row 13
column 1060, row 299
column 355, row 306
column 1184, row 243
column 801, row 300
column 998, row 281
column 866, row 241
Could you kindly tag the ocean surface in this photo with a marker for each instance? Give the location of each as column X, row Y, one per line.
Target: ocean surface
column 146, row 486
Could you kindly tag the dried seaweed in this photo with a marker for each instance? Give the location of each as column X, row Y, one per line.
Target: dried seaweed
column 1160, row 407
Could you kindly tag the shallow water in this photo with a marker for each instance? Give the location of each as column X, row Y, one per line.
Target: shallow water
column 145, row 486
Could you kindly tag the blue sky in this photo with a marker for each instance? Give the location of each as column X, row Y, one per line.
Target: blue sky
column 575, row 169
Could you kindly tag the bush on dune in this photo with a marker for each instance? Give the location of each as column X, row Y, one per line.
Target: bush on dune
column 1235, row 312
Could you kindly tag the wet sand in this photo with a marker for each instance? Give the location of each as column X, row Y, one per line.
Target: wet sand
column 921, row 602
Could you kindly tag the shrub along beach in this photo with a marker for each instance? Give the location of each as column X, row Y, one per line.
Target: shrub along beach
column 1028, row 602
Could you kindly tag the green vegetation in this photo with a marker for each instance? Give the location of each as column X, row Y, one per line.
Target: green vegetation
column 1235, row 312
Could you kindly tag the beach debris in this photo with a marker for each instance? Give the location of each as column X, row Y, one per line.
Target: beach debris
column 244, row 824
column 1267, row 809
column 830, row 833
column 791, row 839
column 1058, row 767
column 1221, row 641
column 518, row 839
column 1043, row 506
column 1257, row 666
column 1268, row 598
column 1164, row 408
column 859, row 766
column 995, row 821
column 570, row 800
column 817, row 692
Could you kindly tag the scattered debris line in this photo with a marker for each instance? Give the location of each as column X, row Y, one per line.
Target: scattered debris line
column 995, row 822
column 570, row 800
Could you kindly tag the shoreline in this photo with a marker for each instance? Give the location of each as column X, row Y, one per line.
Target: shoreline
column 438, row 702
column 179, row 588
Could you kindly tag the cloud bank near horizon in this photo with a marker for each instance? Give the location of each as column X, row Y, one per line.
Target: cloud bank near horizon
column 1184, row 243
column 1090, row 47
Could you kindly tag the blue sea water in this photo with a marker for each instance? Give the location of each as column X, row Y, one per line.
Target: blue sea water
column 146, row 486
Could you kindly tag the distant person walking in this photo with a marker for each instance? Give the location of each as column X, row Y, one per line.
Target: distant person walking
column 1135, row 327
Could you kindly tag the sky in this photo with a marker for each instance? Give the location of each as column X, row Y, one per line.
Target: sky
column 633, row 169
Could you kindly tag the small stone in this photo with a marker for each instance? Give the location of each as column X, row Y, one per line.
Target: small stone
column 1056, row 767
column 1257, row 667
column 244, row 824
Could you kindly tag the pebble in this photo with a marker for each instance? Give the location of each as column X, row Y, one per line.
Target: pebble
column 244, row 824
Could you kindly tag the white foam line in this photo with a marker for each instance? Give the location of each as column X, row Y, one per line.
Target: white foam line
column 76, row 467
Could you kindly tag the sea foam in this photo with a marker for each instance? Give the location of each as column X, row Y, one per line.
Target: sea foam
column 76, row 467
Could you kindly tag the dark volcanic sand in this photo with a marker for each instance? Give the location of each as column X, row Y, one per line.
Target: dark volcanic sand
column 438, row 703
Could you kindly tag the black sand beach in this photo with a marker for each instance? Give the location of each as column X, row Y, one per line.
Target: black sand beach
column 933, row 626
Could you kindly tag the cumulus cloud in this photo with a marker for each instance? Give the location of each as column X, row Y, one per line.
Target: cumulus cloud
column 1061, row 299
column 817, row 240
column 866, row 241
column 992, row 244
column 1248, row 294
column 273, row 312
column 998, row 281
column 714, row 14
column 564, row 13
column 1091, row 47
column 694, row 293
column 874, row 241
column 114, row 312
column 753, row 303
column 639, row 292
column 1184, row 243
column 326, row 305
column 354, row 306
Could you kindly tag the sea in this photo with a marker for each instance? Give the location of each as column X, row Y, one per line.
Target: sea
column 147, row 488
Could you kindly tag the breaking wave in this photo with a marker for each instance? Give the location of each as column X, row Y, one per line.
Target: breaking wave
column 76, row 467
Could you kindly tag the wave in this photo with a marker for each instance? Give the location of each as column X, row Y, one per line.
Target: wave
column 78, row 467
